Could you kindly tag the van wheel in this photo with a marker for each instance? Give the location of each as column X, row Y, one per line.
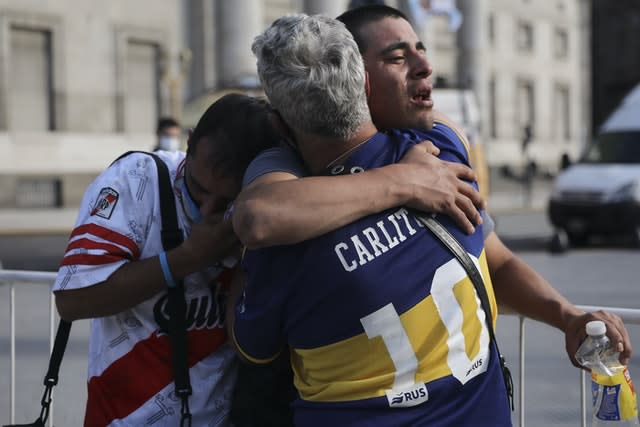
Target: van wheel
column 577, row 239
column 635, row 237
column 559, row 242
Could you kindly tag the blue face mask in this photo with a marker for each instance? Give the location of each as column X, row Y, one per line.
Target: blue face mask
column 190, row 207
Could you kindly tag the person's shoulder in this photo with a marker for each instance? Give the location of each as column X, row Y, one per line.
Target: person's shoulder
column 135, row 160
column 452, row 144
column 127, row 170
column 446, row 128
column 279, row 152
column 275, row 159
column 408, row 136
column 440, row 134
column 171, row 158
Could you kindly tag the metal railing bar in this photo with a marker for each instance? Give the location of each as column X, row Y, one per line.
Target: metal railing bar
column 12, row 353
column 583, row 393
column 52, row 322
column 24, row 276
column 630, row 316
column 521, row 385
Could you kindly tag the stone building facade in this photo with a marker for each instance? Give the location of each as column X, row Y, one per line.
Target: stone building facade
column 81, row 82
column 528, row 62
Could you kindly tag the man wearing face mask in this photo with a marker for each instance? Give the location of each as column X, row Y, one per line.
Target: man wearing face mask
column 168, row 132
column 116, row 272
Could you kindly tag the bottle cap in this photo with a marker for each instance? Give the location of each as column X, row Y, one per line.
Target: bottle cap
column 596, row 327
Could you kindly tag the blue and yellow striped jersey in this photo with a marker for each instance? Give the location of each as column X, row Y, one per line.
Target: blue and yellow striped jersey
column 383, row 325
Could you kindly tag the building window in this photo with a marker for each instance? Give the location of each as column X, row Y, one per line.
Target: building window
column 560, row 44
column 524, row 36
column 526, row 104
column 561, row 120
column 30, row 101
column 39, row 192
column 142, row 89
column 491, row 28
column 493, row 115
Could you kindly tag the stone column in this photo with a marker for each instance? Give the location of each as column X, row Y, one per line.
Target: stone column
column 471, row 39
column 471, row 66
column 239, row 22
column 202, row 40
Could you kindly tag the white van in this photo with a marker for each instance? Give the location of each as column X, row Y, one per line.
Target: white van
column 600, row 194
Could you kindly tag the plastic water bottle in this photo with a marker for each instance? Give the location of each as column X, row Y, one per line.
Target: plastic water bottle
column 614, row 396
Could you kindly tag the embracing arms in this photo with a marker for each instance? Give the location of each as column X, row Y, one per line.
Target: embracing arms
column 281, row 208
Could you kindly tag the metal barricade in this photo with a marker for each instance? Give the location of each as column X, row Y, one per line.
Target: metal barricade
column 629, row 316
column 15, row 277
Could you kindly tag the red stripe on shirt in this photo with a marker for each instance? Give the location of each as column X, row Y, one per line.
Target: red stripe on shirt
column 89, row 244
column 89, row 259
column 112, row 253
column 138, row 375
column 106, row 234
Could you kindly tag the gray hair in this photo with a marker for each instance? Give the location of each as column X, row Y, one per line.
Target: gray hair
column 313, row 74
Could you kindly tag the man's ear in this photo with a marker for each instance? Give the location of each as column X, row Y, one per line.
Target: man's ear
column 367, row 86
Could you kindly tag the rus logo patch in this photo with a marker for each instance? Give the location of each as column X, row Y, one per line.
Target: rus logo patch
column 407, row 397
column 106, row 203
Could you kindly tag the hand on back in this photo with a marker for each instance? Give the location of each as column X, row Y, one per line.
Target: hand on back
column 441, row 186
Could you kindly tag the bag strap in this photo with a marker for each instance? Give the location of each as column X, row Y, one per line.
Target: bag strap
column 51, row 377
column 463, row 257
column 171, row 236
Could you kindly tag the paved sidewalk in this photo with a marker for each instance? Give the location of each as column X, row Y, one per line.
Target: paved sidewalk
column 510, row 196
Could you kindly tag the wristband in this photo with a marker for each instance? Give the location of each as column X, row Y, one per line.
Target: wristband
column 168, row 277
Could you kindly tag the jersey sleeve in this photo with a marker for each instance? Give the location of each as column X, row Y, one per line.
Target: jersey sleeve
column 113, row 223
column 257, row 330
column 455, row 133
column 488, row 224
column 454, row 146
column 277, row 159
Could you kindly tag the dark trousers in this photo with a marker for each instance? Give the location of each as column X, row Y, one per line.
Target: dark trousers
column 263, row 395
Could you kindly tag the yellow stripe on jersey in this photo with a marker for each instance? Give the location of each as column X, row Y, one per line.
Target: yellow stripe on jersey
column 359, row 367
column 247, row 356
column 443, row 121
column 488, row 284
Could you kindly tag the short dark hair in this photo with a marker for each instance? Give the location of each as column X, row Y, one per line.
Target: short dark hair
column 238, row 127
column 356, row 18
column 166, row 122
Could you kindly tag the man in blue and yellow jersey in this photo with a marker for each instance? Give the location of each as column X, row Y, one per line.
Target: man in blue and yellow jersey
column 383, row 324
column 278, row 206
column 283, row 205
